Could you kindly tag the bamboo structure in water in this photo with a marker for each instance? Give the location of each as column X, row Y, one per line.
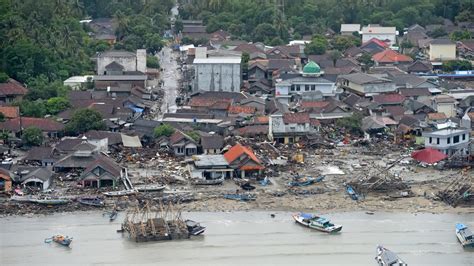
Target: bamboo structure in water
column 145, row 224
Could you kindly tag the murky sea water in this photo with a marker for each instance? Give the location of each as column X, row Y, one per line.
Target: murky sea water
column 242, row 238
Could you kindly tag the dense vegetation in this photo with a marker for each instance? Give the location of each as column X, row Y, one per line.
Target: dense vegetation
column 274, row 20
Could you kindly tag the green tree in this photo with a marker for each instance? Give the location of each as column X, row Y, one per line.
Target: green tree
column 318, row 45
column 342, row 43
column 194, row 135
column 2, row 117
column 454, row 65
column 334, row 56
column 84, row 120
column 152, row 61
column 264, row 32
column 276, row 41
column 163, row 130
column 56, row 105
column 35, row 108
column 32, row 136
column 3, row 77
column 366, row 61
column 460, row 35
column 353, row 123
column 437, row 32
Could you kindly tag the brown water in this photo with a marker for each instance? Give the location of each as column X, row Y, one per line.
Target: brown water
column 242, row 238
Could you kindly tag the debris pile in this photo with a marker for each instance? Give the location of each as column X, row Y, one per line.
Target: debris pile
column 459, row 190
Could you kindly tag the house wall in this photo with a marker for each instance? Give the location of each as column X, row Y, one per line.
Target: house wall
column 442, row 52
column 367, row 36
column 451, row 148
column 327, row 89
column 217, row 77
column 257, row 73
column 447, row 108
column 141, row 60
column 212, row 151
column 279, row 129
column 129, row 63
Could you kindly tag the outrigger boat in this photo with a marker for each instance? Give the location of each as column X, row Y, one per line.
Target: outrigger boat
column 48, row 201
column 242, row 197
column 302, row 182
column 316, row 222
column 387, row 257
column 464, row 235
column 92, row 201
column 194, row 228
column 352, row 193
column 120, row 193
column 60, row 239
column 149, row 188
column 198, row 181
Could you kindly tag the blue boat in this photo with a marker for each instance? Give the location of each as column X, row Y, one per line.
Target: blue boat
column 464, row 235
column 320, row 178
column 352, row 193
column 302, row 182
column 316, row 222
column 60, row 239
column 242, row 197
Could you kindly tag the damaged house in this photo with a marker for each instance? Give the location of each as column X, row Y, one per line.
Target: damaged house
column 244, row 162
column 102, row 172
column 291, row 127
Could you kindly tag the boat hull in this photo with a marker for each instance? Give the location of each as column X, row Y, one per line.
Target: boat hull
column 300, row 220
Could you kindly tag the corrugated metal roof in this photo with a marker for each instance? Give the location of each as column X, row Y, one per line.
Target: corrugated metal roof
column 120, row 77
column 218, row 60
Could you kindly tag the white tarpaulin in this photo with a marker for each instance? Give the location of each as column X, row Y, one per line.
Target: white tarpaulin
column 131, row 141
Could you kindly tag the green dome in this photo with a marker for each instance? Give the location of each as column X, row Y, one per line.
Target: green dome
column 311, row 68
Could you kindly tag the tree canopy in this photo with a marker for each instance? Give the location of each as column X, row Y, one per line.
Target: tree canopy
column 32, row 136
column 84, row 120
column 163, row 130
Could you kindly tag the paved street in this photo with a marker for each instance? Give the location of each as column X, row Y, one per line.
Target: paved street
column 170, row 77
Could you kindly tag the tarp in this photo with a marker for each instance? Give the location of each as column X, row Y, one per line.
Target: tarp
column 428, row 155
column 131, row 141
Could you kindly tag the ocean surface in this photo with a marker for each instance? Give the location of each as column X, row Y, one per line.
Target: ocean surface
column 239, row 238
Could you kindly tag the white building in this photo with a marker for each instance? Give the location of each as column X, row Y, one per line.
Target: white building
column 290, row 127
column 448, row 141
column 77, row 82
column 127, row 60
column 306, row 84
column 381, row 33
column 348, row 29
column 365, row 84
column 444, row 104
column 217, row 74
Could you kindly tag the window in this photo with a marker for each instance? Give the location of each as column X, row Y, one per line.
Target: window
column 313, row 87
column 456, row 139
column 431, row 140
column 463, row 136
column 298, row 88
column 449, row 140
column 179, row 150
column 306, row 87
column 437, row 141
column 292, row 88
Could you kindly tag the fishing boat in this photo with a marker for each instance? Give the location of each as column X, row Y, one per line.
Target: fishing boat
column 194, row 228
column 464, row 235
column 317, row 222
column 149, row 188
column 91, row 201
column 387, row 257
column 352, row 193
column 302, row 182
column 242, row 197
column 120, row 193
column 50, row 201
column 198, row 181
column 60, row 239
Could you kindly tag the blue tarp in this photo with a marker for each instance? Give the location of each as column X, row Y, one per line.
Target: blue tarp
column 460, row 226
column 136, row 109
column 306, row 215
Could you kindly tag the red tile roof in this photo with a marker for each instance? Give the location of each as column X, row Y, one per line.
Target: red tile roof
column 437, row 116
column 390, row 56
column 44, row 124
column 12, row 87
column 296, row 118
column 10, row 111
column 238, row 150
column 314, row 122
column 206, row 101
column 262, row 119
column 392, row 98
column 395, row 110
column 376, row 41
column 242, row 109
column 314, row 104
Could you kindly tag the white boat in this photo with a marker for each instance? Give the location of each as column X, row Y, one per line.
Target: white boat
column 387, row 257
column 149, row 188
column 464, row 235
column 120, row 193
column 317, row 222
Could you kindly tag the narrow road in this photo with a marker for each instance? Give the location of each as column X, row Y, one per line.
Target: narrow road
column 170, row 77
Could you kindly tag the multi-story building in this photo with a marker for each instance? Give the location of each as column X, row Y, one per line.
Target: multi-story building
column 448, row 141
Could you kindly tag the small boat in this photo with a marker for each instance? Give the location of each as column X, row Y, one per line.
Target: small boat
column 242, row 197
column 149, row 188
column 317, row 222
column 352, row 193
column 247, row 187
column 302, row 182
column 60, row 239
column 464, row 235
column 198, row 181
column 113, row 215
column 120, row 193
column 92, row 201
column 49, row 201
column 387, row 257
column 194, row 228
column 320, row 179
column 22, row 198
column 265, row 181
